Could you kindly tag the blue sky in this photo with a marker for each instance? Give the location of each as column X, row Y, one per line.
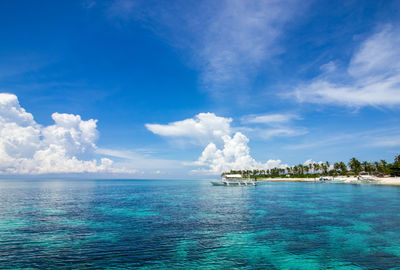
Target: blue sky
column 190, row 88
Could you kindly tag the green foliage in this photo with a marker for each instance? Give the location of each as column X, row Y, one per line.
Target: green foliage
column 318, row 169
column 355, row 165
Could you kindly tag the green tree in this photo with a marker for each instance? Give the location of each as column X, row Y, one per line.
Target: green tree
column 343, row 168
column 355, row 165
column 301, row 169
column 384, row 166
column 306, row 168
column 364, row 166
column 394, row 169
column 336, row 168
column 316, row 167
column 397, row 160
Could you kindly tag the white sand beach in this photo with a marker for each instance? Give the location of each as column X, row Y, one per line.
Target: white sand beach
column 388, row 181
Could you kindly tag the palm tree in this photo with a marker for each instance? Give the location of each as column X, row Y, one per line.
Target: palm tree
column 306, row 168
column 364, row 166
column 370, row 167
column 383, row 164
column 301, row 169
column 397, row 160
column 324, row 168
column 355, row 165
column 316, row 167
column 328, row 165
column 336, row 167
column 343, row 168
column 295, row 169
column 377, row 167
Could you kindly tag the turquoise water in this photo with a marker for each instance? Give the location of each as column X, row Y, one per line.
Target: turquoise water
column 159, row 224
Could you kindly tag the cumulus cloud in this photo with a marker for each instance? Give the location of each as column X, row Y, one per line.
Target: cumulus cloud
column 372, row 77
column 203, row 128
column 217, row 132
column 235, row 155
column 29, row 148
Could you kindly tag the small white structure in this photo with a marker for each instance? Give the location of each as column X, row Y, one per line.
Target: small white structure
column 326, row 178
column 234, row 180
column 367, row 177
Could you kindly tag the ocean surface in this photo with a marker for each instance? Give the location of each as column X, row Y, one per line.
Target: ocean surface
column 160, row 224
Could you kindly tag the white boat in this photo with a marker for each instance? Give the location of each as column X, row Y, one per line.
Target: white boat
column 367, row 177
column 234, row 180
column 326, row 178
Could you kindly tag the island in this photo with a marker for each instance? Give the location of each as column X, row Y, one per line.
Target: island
column 354, row 172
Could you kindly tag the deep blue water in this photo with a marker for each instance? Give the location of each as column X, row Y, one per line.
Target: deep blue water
column 193, row 225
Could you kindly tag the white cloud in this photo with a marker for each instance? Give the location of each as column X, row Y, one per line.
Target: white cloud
column 365, row 138
column 280, row 132
column 228, row 40
column 373, row 76
column 270, row 118
column 144, row 162
column 77, row 137
column 29, row 148
column 379, row 55
column 235, row 155
column 328, row 67
column 240, row 36
column 386, row 140
column 272, row 125
column 310, row 161
column 203, row 128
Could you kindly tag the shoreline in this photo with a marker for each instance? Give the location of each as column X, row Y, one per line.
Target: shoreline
column 384, row 181
column 288, row 179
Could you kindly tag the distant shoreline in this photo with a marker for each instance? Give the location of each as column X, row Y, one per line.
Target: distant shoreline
column 383, row 181
column 287, row 179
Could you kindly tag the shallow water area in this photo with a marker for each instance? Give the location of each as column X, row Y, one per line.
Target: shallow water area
column 188, row 224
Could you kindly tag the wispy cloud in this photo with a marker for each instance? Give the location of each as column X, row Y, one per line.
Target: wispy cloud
column 380, row 137
column 142, row 162
column 241, row 36
column 17, row 65
column 390, row 140
column 372, row 77
column 227, row 41
column 275, row 118
column 267, row 126
column 281, row 132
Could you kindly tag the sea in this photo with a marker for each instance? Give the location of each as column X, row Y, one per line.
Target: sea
column 190, row 224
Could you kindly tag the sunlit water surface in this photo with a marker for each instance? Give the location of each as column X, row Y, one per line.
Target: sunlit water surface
column 191, row 224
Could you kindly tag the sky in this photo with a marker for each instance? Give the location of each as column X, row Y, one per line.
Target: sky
column 189, row 89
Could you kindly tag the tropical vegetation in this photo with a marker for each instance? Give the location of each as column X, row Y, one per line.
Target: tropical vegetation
column 317, row 169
